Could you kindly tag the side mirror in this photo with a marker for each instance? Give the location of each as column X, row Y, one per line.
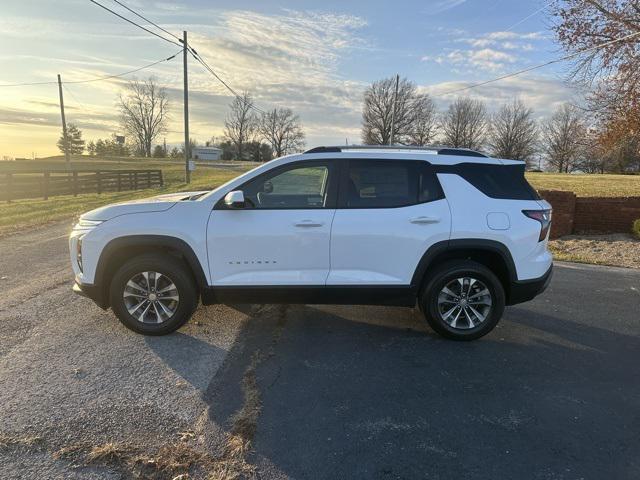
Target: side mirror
column 234, row 199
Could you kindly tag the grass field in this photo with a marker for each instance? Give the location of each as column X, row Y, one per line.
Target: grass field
column 21, row 214
column 588, row 185
column 25, row 213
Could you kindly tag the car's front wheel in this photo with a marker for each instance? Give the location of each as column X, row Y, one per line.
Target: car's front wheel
column 463, row 300
column 153, row 294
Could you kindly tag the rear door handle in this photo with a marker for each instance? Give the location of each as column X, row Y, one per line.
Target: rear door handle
column 424, row 220
column 308, row 223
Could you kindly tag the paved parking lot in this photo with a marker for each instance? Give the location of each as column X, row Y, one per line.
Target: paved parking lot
column 318, row 391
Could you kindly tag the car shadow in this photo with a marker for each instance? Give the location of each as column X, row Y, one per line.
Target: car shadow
column 357, row 392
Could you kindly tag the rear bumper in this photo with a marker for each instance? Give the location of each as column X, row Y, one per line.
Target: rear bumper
column 525, row 290
column 93, row 292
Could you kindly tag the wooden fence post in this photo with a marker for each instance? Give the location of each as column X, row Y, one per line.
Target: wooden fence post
column 46, row 185
column 135, row 180
column 75, row 184
column 119, row 175
column 99, row 179
column 161, row 179
column 148, row 178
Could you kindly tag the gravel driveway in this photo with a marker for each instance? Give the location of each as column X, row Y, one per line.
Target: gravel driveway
column 315, row 391
column 72, row 377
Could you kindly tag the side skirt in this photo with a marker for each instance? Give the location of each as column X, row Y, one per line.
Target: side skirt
column 391, row 295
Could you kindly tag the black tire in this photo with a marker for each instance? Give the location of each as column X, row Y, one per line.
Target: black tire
column 450, row 272
column 172, row 269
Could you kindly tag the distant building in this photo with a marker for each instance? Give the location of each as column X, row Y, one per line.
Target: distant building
column 206, row 153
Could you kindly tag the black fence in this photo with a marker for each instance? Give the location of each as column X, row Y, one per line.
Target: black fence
column 39, row 184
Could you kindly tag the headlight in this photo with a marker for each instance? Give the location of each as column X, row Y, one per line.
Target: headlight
column 79, row 251
column 88, row 223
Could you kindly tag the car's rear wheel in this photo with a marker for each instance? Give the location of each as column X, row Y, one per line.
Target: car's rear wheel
column 463, row 300
column 153, row 294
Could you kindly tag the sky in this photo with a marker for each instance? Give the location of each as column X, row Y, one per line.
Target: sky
column 314, row 57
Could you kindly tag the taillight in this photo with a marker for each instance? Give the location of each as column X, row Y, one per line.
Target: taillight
column 542, row 216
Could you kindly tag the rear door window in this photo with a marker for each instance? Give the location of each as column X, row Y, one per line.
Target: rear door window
column 388, row 184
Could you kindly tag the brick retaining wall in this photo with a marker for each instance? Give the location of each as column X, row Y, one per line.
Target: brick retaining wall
column 573, row 214
column 605, row 215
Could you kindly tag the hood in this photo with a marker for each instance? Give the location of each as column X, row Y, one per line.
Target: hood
column 159, row 203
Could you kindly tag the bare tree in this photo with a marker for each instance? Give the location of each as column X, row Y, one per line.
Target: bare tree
column 425, row 125
column 282, row 130
column 411, row 108
column 241, row 124
column 144, row 110
column 564, row 139
column 464, row 124
column 514, row 132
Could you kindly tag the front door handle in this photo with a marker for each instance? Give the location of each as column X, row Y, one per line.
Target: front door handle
column 424, row 220
column 308, row 223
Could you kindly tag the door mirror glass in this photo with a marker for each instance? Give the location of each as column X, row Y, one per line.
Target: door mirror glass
column 234, row 199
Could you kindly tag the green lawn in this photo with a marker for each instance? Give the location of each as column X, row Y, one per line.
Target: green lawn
column 26, row 213
column 588, row 185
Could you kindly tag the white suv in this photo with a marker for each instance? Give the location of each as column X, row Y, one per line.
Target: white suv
column 458, row 233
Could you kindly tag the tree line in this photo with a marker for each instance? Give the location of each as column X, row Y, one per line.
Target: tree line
column 144, row 118
column 564, row 142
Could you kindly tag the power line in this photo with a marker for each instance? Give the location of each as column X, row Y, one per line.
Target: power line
column 190, row 49
column 546, row 4
column 127, row 73
column 80, row 104
column 147, row 20
column 97, row 79
column 557, row 60
column 135, row 24
column 227, row 86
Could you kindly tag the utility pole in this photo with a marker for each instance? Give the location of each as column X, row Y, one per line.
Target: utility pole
column 393, row 112
column 64, row 124
column 187, row 172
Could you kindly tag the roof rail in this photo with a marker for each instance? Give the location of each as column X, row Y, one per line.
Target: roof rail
column 440, row 150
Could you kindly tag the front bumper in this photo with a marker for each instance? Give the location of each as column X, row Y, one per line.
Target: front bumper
column 93, row 292
column 525, row 290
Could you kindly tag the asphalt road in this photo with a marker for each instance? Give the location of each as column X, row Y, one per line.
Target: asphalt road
column 342, row 392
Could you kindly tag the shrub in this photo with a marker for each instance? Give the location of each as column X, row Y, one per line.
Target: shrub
column 635, row 228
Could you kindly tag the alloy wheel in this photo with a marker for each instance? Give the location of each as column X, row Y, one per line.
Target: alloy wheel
column 464, row 303
column 151, row 297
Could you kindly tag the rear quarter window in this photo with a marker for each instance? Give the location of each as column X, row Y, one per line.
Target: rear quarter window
column 496, row 181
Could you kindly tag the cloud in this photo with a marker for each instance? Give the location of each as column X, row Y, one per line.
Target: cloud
column 30, row 118
column 170, row 7
column 543, row 94
column 442, row 6
column 290, row 59
column 484, row 59
column 504, row 39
